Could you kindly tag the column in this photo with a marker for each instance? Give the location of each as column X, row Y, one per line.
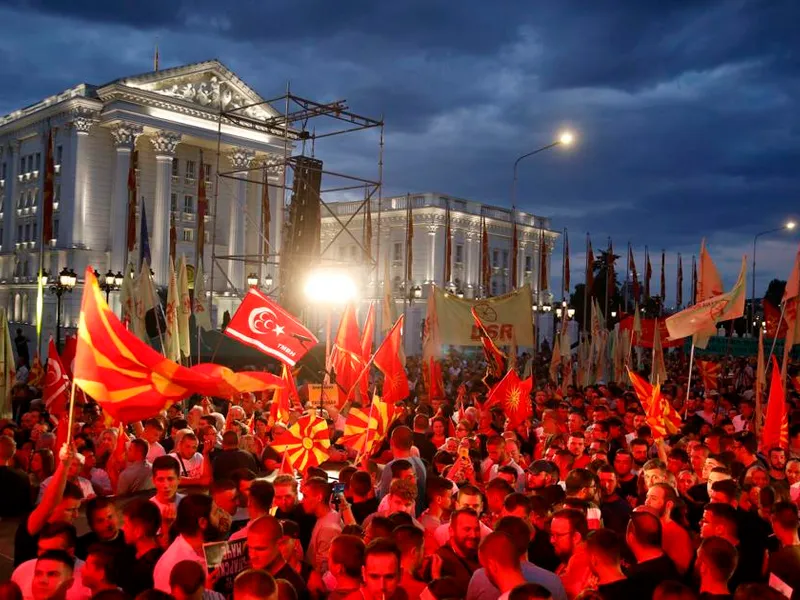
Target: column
column 11, row 197
column 520, row 263
column 432, row 250
column 124, row 136
column 469, row 238
column 240, row 160
column 82, row 122
column 164, row 144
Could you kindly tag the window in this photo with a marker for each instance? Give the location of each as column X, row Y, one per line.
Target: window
column 55, row 230
column 397, row 252
column 38, row 161
column 4, row 167
column 188, row 235
column 35, row 235
column 21, row 164
column 57, row 193
column 190, row 169
column 27, row 232
column 21, row 201
column 59, row 154
column 207, row 236
column 495, row 258
column 505, row 259
column 19, row 233
column 30, row 163
column 207, row 172
column 173, row 202
column 188, row 204
column 494, row 287
column 34, row 197
column 354, row 252
column 528, row 262
column 175, row 167
column 459, row 253
column 397, row 284
column 1, row 236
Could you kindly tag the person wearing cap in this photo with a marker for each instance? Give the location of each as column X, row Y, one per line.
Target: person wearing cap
column 542, row 478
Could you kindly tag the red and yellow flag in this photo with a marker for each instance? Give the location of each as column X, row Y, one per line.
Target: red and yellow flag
column 775, row 433
column 305, row 444
column 130, row 380
column 495, row 359
column 709, row 373
column 387, row 359
column 282, row 398
column 346, row 359
column 514, row 396
column 655, row 413
column 644, row 391
column 36, row 373
column 367, row 333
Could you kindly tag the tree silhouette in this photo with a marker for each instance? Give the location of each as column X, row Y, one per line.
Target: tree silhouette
column 603, row 270
column 774, row 293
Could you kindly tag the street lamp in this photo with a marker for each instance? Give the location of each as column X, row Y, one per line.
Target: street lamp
column 66, row 282
column 788, row 226
column 252, row 280
column 108, row 283
column 268, row 281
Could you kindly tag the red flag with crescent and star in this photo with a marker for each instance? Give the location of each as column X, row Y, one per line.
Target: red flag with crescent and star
column 130, row 380
column 264, row 325
column 514, row 396
column 56, row 383
column 305, row 444
column 709, row 373
column 387, row 359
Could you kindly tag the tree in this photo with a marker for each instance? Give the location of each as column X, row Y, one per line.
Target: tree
column 600, row 267
column 774, row 293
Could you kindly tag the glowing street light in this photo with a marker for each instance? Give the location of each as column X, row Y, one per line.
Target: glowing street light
column 566, row 138
column 328, row 286
column 788, row 226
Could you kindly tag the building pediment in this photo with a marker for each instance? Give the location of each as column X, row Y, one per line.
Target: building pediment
column 208, row 85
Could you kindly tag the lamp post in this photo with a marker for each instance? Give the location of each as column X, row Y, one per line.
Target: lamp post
column 66, row 282
column 110, row 282
column 252, row 280
column 566, row 138
column 788, row 226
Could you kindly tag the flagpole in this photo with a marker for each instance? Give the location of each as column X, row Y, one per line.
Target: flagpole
column 586, row 284
column 609, row 262
column 768, row 362
column 71, row 412
column 689, row 380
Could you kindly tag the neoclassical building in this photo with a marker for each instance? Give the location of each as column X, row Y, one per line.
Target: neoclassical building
column 171, row 118
column 428, row 249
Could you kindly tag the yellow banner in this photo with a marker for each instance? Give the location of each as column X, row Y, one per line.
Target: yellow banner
column 508, row 318
column 328, row 393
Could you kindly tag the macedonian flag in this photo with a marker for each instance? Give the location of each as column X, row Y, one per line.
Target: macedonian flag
column 130, row 380
column 644, row 391
column 709, row 373
column 305, row 443
column 364, row 429
column 514, row 396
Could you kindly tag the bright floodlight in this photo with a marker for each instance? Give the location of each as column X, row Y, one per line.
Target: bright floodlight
column 328, row 286
column 566, row 138
column 791, row 225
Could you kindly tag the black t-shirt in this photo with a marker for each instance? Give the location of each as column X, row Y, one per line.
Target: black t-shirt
column 227, row 461
column 137, row 575
column 117, row 545
column 361, row 510
column 541, row 551
column 304, row 521
column 616, row 515
column 785, row 565
column 289, row 574
column 624, row 588
column 26, row 546
column 648, row 574
column 630, row 488
column 16, row 497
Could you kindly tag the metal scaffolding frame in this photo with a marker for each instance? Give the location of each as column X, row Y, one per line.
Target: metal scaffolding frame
column 291, row 126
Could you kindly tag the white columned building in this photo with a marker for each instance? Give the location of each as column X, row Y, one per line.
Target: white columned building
column 389, row 230
column 171, row 118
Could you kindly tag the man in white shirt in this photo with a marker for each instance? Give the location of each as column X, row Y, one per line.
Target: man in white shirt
column 316, row 501
column 152, row 434
column 195, row 468
column 60, row 537
column 196, row 523
column 165, row 479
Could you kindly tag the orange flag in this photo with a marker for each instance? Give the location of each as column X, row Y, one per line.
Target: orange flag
column 495, row 359
column 130, row 380
column 305, row 444
column 282, row 398
column 655, row 413
column 514, row 396
column 387, row 359
column 709, row 373
column 776, row 426
column 346, row 359
column 56, row 383
column 644, row 391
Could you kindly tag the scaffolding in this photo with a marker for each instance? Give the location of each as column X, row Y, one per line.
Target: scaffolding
column 299, row 124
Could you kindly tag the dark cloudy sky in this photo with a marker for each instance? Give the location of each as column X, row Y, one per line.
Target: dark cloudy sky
column 686, row 111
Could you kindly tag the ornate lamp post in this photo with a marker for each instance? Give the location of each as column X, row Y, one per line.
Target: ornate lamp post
column 66, row 282
column 109, row 282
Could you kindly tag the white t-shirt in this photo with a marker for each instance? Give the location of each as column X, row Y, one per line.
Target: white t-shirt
column 190, row 468
column 23, row 577
column 154, row 452
column 84, row 484
column 179, row 550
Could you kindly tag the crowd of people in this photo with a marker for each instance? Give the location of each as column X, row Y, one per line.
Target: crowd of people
column 582, row 500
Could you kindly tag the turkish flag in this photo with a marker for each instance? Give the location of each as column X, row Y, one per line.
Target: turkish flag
column 514, row 396
column 68, row 353
column 56, row 383
column 387, row 359
column 262, row 324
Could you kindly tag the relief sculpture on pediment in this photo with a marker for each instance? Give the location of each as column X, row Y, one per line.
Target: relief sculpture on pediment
column 211, row 92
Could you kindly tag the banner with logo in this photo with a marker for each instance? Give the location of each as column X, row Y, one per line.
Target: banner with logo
column 508, row 318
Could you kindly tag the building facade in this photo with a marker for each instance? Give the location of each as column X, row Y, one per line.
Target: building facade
column 171, row 117
column 428, row 211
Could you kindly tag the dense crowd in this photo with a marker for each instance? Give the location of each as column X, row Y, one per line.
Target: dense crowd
column 580, row 501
